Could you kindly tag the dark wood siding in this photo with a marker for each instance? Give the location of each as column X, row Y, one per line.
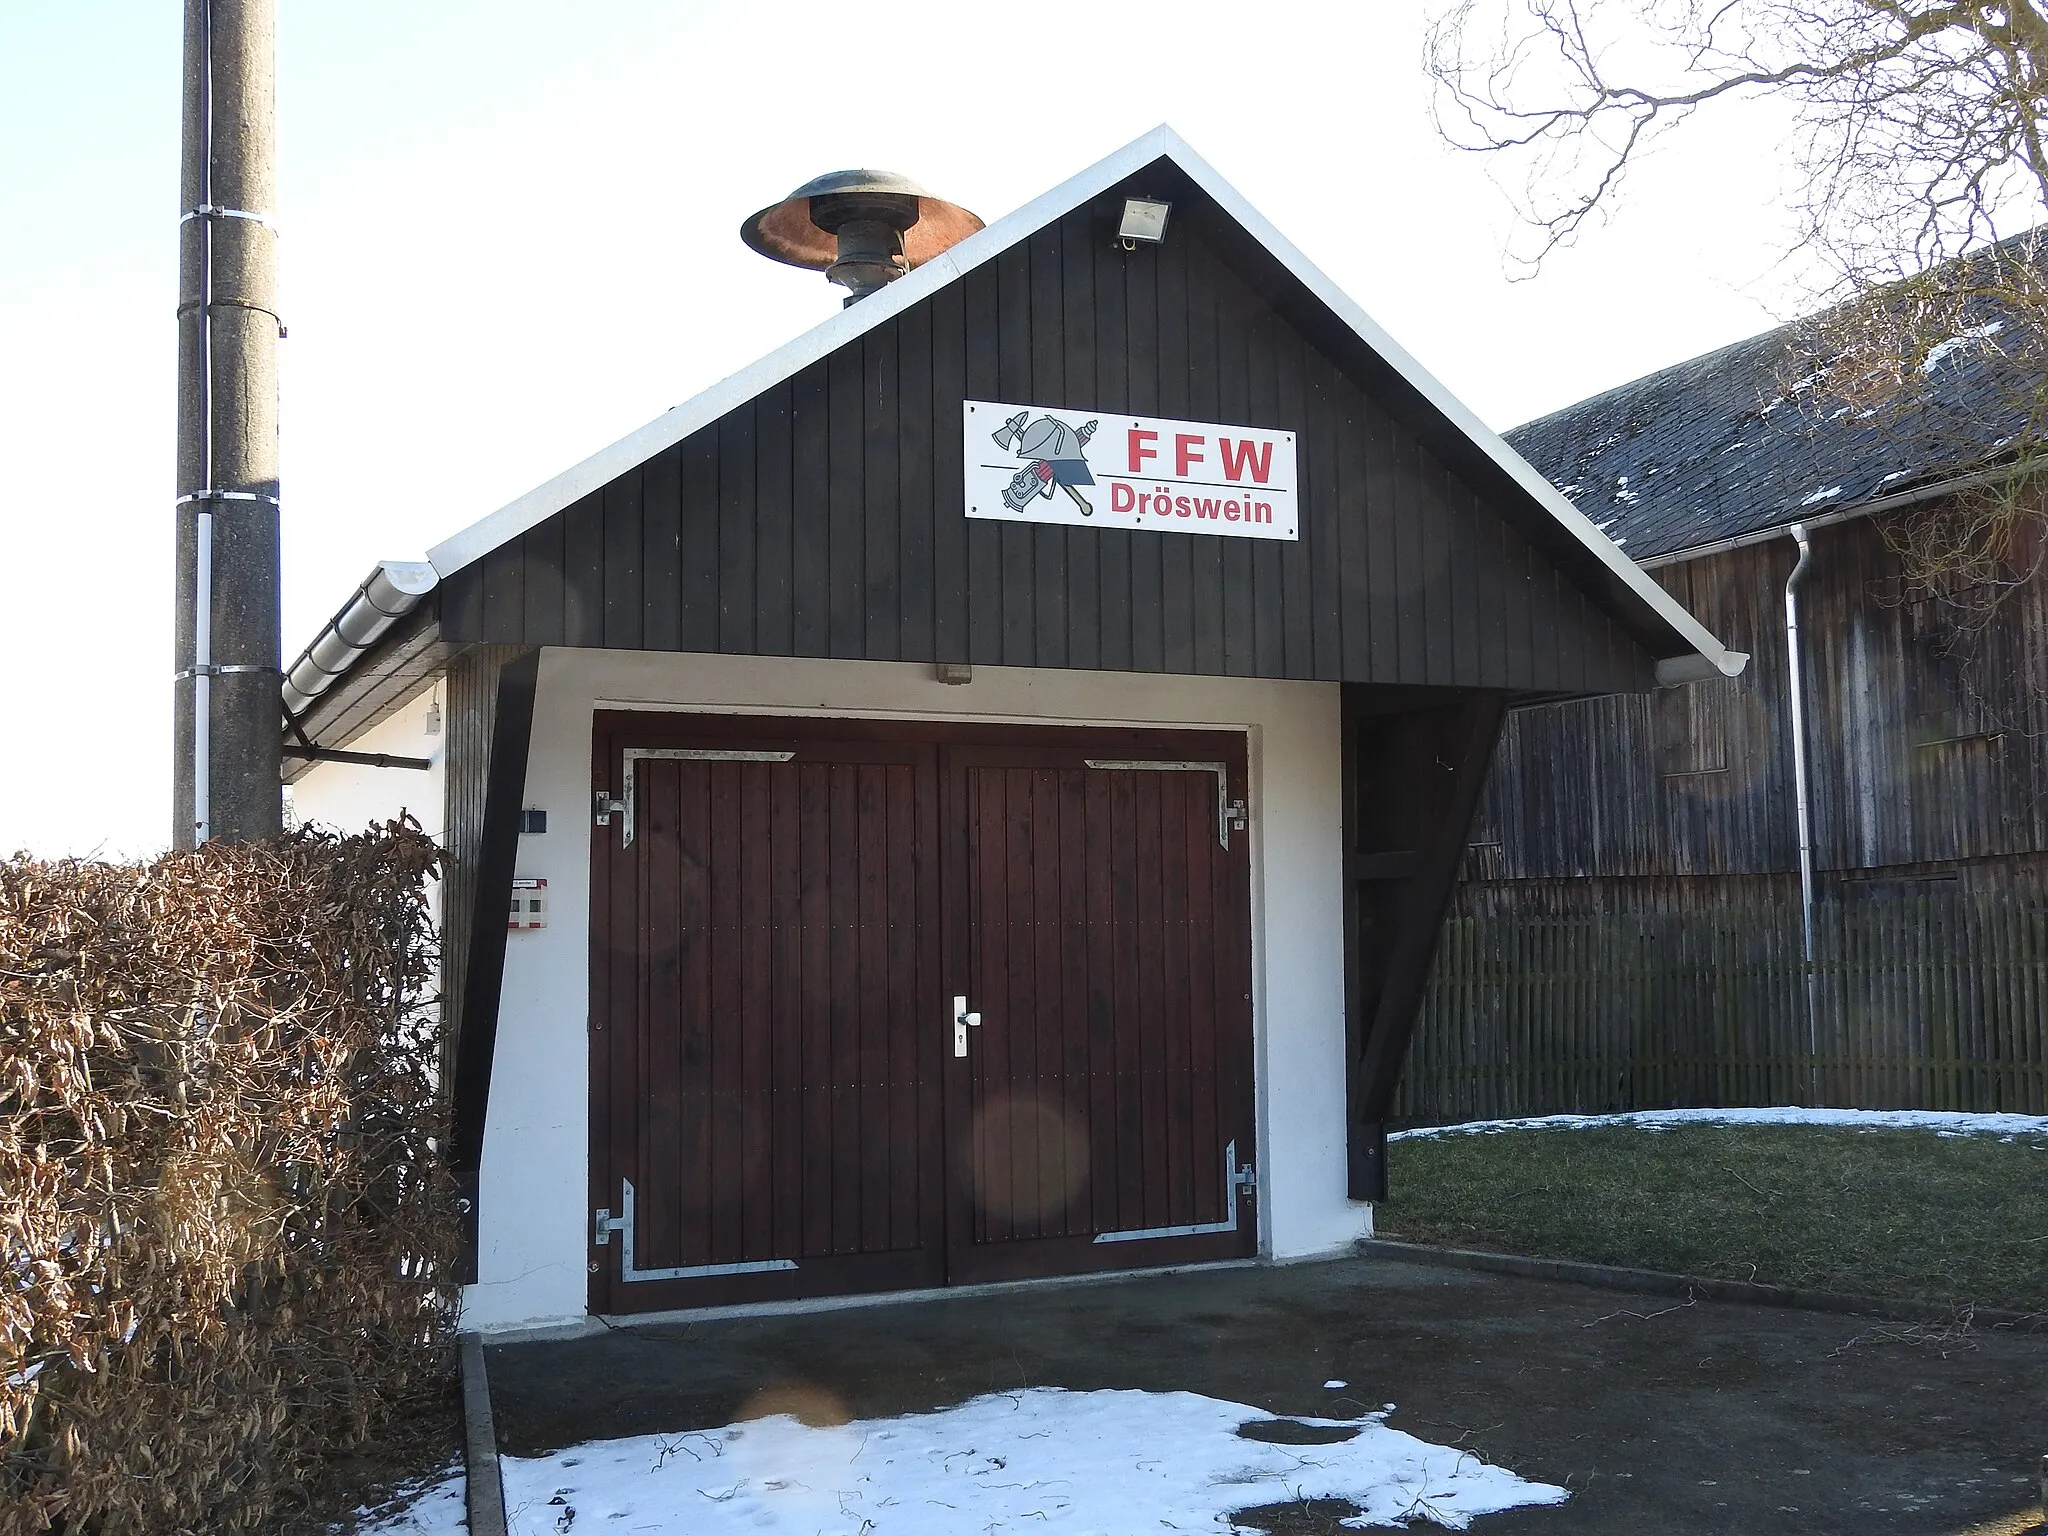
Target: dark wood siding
column 471, row 723
column 825, row 517
column 1629, row 932
column 1928, row 741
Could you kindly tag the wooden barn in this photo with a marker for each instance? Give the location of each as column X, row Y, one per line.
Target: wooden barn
column 975, row 792
column 1633, row 929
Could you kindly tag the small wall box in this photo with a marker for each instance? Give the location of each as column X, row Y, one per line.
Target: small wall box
column 529, row 904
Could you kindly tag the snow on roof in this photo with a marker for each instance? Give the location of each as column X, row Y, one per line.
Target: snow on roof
column 1729, row 444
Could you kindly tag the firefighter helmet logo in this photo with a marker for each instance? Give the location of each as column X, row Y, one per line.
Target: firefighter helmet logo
column 1055, row 456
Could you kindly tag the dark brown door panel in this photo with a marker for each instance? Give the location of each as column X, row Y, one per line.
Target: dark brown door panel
column 1096, row 924
column 765, row 964
column 782, row 915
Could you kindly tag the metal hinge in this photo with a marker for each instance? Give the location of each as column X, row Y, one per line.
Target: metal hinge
column 1240, row 1178
column 606, row 807
column 1229, row 812
column 605, row 1224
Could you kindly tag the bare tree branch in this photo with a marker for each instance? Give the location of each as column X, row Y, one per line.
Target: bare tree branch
column 1921, row 119
column 1923, row 164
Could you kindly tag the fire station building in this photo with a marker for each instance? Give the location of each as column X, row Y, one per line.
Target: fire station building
column 974, row 793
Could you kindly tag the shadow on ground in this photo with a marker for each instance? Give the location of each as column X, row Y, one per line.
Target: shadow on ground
column 1700, row 1418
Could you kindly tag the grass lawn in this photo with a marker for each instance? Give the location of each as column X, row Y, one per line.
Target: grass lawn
column 1955, row 1219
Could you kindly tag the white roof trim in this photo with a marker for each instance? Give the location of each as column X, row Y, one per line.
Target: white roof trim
column 823, row 339
column 670, row 428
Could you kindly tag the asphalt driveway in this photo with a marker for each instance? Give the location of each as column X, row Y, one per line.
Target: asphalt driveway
column 1657, row 1415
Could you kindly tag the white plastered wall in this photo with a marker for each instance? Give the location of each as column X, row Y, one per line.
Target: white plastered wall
column 534, row 1213
column 349, row 796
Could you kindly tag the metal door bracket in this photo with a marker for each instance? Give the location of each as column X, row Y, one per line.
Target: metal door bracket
column 635, row 755
column 1235, row 1179
column 607, row 807
column 607, row 1224
column 1229, row 813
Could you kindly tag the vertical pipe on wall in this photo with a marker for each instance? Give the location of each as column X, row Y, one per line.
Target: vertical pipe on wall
column 1795, row 693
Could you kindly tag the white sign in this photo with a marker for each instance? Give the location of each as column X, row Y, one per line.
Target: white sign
column 1091, row 469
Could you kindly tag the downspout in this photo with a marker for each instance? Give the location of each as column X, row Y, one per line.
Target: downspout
column 1802, row 802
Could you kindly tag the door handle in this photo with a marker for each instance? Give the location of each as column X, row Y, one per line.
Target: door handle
column 962, row 1022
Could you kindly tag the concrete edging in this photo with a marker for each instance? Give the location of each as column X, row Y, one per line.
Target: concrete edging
column 483, row 1480
column 1657, row 1282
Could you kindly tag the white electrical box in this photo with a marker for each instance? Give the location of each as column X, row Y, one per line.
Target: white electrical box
column 529, row 904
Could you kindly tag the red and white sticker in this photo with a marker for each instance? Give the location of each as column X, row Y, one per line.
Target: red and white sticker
column 1091, row 469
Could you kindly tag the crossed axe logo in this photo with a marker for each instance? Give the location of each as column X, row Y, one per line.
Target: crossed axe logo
column 1057, row 454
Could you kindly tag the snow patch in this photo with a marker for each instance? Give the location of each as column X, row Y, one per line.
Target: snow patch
column 1825, row 493
column 1940, row 1121
column 441, row 1509
column 1042, row 1460
column 1332, row 1386
column 1942, row 349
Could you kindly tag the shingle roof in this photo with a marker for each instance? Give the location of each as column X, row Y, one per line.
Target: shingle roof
column 1737, row 441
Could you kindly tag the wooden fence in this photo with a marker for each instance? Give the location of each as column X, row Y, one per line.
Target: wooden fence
column 1927, row 1001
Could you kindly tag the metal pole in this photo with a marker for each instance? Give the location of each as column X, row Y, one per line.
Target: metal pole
column 227, row 733
column 1795, row 693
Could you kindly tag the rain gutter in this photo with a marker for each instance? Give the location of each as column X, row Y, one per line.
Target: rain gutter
column 390, row 592
column 1882, row 504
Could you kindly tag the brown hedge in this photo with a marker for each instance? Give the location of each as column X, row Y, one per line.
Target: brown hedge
column 225, row 1236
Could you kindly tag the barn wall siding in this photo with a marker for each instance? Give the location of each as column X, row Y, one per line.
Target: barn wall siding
column 1591, row 996
column 1628, row 934
column 1927, row 745
column 825, row 517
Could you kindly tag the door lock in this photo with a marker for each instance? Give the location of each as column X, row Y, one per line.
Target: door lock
column 962, row 1022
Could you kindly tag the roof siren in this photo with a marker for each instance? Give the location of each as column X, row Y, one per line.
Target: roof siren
column 862, row 229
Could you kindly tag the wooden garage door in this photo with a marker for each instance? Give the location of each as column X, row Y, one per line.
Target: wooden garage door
column 762, row 1014
column 781, row 921
column 1105, row 1111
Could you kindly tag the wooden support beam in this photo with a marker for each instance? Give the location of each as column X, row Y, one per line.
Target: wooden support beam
column 1411, row 785
column 482, row 959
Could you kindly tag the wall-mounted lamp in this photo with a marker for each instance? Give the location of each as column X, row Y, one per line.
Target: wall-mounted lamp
column 1144, row 223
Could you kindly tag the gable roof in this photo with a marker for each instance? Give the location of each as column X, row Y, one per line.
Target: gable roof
column 1162, row 143
column 1285, row 279
column 1747, row 440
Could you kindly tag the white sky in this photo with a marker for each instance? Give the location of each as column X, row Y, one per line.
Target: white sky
column 510, row 238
